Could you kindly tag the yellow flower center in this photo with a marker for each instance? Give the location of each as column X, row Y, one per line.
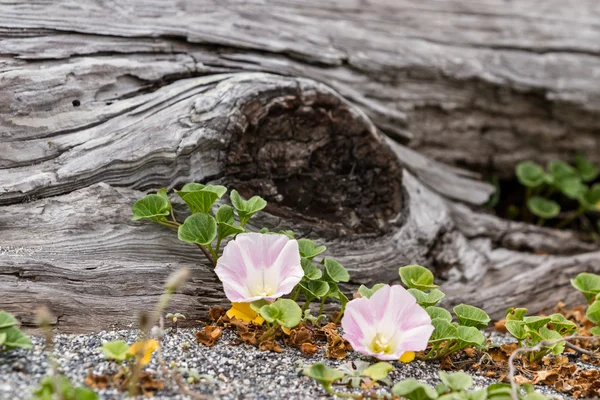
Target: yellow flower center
column 263, row 291
column 382, row 344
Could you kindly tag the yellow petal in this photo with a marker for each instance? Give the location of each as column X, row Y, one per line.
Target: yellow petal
column 143, row 350
column 245, row 313
column 407, row 357
column 286, row 330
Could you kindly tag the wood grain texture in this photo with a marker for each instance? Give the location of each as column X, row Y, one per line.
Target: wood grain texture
column 103, row 101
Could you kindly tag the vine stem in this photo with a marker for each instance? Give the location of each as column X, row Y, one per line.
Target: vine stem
column 571, row 218
column 522, row 350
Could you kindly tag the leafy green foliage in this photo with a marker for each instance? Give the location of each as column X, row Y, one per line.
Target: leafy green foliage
column 456, row 387
column 323, row 374
column 284, row 312
column 448, row 337
column 246, row 208
column 588, row 284
column 116, row 350
column 416, row 277
column 200, row 198
column 152, row 207
column 11, row 337
column 49, row 385
column 530, row 331
column 543, row 208
column 548, row 191
column 351, row 373
column 200, row 228
column 309, row 249
column 366, row 292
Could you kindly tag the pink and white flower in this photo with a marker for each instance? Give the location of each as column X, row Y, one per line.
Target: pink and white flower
column 387, row 325
column 258, row 266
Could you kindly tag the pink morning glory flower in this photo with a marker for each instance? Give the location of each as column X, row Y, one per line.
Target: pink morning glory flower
column 387, row 324
column 258, row 266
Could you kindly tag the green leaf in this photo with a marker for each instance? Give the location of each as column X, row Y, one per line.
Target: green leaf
column 7, row 320
column 116, row 350
column 15, row 338
column 224, row 230
column 269, row 313
column 457, row 381
column 515, row 314
column 309, row 249
column 593, row 312
column 416, row 277
column 311, row 272
column 443, row 331
column 588, row 284
column 586, row 169
column 153, row 207
column 323, row 374
column 536, row 322
column 530, row 174
column 198, row 228
column 225, row 214
column 562, row 325
column 334, row 271
column 542, row 207
column 595, row 331
column 471, row 316
column 317, row 289
column 246, row 208
column 516, row 328
column 378, row 371
column 258, row 304
column 499, row 391
column 561, row 170
column 411, row 389
column 366, row 292
column 290, row 313
column 200, row 201
column 83, row 393
column 3, row 337
column 471, row 336
column 591, row 199
column 427, row 299
column 573, row 187
column 550, row 335
column 439, row 312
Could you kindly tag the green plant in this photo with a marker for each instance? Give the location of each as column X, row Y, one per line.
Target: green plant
column 560, row 182
column 455, row 387
column 174, row 318
column 532, row 330
column 352, row 374
column 59, row 387
column 448, row 337
column 11, row 337
column 589, row 285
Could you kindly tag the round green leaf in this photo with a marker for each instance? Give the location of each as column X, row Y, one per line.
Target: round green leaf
column 561, row 170
column 225, row 214
column 572, row 187
column 587, row 170
column 427, row 299
column 471, row 316
column 3, row 337
column 588, row 284
column 456, row 381
column 471, row 336
column 542, row 207
column 595, row 331
column 411, row 389
column 309, row 249
column 116, row 350
column 439, row 312
column 15, row 338
column 224, row 230
column 516, row 328
column 562, row 325
column 153, row 207
column 536, row 322
column 290, row 313
column 416, row 277
column 591, row 199
column 366, row 292
column 335, row 271
column 593, row 312
column 323, row 374
column 199, row 228
column 443, row 331
column 269, row 313
column 316, row 289
column 378, row 371
column 246, row 208
column 7, row 320
column 311, row 272
column 530, row 174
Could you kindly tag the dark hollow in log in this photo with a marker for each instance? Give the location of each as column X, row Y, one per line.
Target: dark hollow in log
column 315, row 160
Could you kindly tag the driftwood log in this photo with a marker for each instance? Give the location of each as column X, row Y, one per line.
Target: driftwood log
column 333, row 111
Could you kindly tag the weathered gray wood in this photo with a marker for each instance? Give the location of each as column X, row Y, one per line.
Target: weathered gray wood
column 102, row 101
